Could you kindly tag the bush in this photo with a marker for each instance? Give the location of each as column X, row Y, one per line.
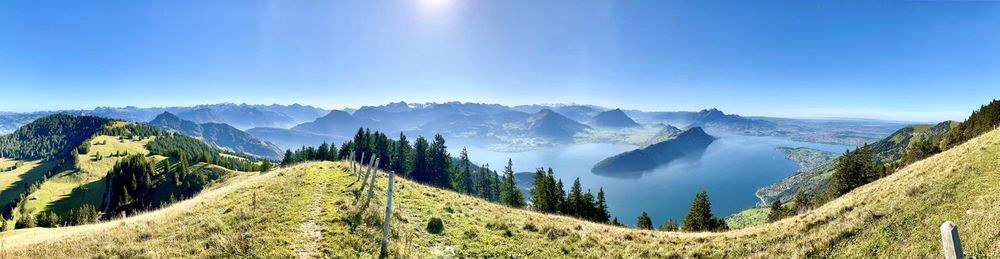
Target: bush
column 435, row 226
column 25, row 221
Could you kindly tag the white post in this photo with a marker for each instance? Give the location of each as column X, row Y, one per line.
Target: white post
column 371, row 188
column 388, row 213
column 949, row 240
column 360, row 168
column 364, row 181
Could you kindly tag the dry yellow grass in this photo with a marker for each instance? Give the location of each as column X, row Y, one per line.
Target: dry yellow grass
column 897, row 216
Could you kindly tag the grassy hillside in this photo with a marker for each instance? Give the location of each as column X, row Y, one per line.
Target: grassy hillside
column 14, row 182
column 304, row 211
column 71, row 189
column 815, row 179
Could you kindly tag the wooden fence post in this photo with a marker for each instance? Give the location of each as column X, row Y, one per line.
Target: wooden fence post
column 384, row 253
column 364, row 181
column 360, row 167
column 350, row 160
column 949, row 240
column 371, row 188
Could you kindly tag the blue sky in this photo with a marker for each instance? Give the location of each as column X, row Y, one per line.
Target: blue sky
column 914, row 60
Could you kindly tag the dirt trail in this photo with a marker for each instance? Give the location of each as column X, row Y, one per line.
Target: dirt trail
column 311, row 232
column 31, row 236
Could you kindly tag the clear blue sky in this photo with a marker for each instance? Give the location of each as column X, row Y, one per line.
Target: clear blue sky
column 915, row 60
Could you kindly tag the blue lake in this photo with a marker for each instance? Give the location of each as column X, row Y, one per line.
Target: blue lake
column 731, row 169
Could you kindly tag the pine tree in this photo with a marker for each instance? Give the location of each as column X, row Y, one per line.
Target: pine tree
column 400, row 157
column 439, row 163
column 541, row 193
column 602, row 207
column 802, row 203
column 289, row 159
column 420, row 161
column 644, row 222
column 463, row 176
column 777, row 212
column 699, row 216
column 323, row 152
column 587, row 207
column 574, row 202
column 266, row 166
column 852, row 170
column 510, row 195
column 669, row 225
column 558, row 193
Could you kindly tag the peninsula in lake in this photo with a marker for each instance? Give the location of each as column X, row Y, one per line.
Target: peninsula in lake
column 691, row 141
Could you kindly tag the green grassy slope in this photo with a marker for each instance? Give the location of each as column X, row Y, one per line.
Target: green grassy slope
column 302, row 211
column 888, row 150
column 71, row 189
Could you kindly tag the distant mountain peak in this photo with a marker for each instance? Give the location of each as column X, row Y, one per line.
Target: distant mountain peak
column 167, row 116
column 695, row 131
column 552, row 125
column 613, row 119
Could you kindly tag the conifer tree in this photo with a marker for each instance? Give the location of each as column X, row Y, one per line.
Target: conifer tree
column 602, row 207
column 777, row 211
column 802, row 203
column 400, row 158
column 699, row 216
column 852, row 170
column 644, row 222
column 669, row 225
column 439, row 163
column 289, row 159
column 509, row 193
column 463, row 176
column 323, row 152
column 420, row 161
column 542, row 196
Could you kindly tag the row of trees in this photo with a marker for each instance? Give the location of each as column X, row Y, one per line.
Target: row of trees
column 800, row 204
column 325, row 152
column 429, row 162
column 548, row 195
column 86, row 214
column 699, row 218
column 425, row 161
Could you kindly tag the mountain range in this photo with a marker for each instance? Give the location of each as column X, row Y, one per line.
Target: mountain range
column 521, row 127
column 220, row 135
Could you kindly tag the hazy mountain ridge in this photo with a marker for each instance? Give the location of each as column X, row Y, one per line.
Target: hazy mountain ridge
column 238, row 115
column 613, row 119
column 292, row 139
column 496, row 125
column 691, row 141
column 220, row 135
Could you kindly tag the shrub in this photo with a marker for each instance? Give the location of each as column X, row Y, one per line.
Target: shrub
column 530, row 227
column 435, row 226
column 25, row 221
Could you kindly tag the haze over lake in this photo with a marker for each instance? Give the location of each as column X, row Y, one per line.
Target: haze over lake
column 731, row 169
